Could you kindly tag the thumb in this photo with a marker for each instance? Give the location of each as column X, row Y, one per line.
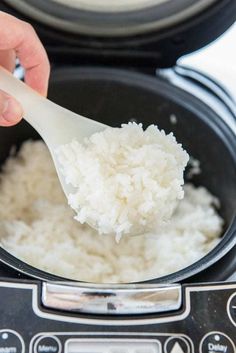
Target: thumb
column 10, row 110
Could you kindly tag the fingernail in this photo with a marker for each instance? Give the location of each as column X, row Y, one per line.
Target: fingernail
column 12, row 111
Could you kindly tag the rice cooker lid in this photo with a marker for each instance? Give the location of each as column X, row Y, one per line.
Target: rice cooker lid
column 156, row 30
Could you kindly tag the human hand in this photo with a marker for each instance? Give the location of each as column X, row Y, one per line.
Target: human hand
column 19, row 40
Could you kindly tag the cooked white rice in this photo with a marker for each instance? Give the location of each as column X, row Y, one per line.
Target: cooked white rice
column 37, row 226
column 127, row 180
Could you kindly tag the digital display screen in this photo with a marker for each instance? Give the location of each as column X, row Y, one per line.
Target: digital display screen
column 112, row 346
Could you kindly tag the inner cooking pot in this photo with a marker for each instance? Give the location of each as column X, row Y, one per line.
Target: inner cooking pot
column 114, row 97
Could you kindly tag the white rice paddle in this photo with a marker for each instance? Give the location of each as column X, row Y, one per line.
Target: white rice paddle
column 56, row 125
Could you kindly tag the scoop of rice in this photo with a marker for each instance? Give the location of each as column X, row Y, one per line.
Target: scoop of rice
column 126, row 180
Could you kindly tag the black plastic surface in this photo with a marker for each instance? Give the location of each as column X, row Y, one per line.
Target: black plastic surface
column 207, row 316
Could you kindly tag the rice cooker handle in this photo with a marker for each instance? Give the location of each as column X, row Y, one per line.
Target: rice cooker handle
column 111, row 299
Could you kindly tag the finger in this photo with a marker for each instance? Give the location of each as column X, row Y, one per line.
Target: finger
column 20, row 36
column 8, row 59
column 34, row 59
column 10, row 110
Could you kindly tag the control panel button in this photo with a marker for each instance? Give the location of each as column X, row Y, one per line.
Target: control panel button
column 216, row 342
column 232, row 308
column 47, row 344
column 11, row 341
column 177, row 345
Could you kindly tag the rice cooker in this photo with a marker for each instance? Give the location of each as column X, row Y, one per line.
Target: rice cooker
column 115, row 62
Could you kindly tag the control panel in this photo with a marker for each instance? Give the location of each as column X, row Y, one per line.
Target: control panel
column 205, row 322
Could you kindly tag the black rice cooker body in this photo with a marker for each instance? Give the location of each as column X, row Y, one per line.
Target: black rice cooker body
column 117, row 96
column 114, row 96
